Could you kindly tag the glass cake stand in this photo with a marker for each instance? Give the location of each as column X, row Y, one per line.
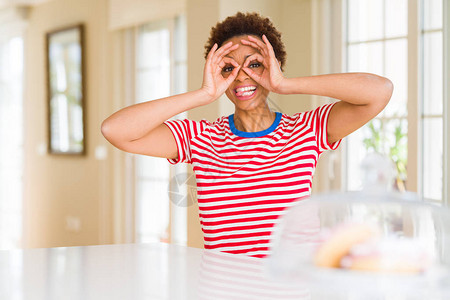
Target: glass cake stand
column 400, row 218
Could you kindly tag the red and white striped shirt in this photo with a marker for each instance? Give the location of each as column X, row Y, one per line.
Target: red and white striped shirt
column 246, row 180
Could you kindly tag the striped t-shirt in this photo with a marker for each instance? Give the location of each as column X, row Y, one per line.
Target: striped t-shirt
column 246, row 180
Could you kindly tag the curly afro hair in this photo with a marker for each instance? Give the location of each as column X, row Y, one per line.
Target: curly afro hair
column 247, row 24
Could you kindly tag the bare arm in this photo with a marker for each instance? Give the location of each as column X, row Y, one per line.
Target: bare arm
column 140, row 128
column 362, row 97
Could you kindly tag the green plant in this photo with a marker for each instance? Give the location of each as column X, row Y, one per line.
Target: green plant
column 391, row 142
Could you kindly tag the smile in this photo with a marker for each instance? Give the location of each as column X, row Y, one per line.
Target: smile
column 245, row 92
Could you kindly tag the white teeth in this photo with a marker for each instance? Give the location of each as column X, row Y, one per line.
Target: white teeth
column 247, row 93
column 247, row 88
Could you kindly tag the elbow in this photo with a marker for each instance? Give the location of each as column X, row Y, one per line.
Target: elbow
column 380, row 88
column 380, row 92
column 106, row 129
column 388, row 89
column 111, row 135
column 383, row 89
column 383, row 95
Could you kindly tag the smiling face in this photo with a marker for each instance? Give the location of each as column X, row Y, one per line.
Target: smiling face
column 244, row 92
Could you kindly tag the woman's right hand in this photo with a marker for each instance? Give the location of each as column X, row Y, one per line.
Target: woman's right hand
column 214, row 83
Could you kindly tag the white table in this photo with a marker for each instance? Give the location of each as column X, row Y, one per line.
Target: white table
column 136, row 271
column 152, row 271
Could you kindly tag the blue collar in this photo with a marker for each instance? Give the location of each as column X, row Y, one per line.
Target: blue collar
column 257, row 133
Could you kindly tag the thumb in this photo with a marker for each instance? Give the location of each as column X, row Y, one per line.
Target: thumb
column 233, row 75
column 252, row 74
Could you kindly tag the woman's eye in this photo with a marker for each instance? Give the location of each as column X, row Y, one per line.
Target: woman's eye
column 227, row 69
column 254, row 65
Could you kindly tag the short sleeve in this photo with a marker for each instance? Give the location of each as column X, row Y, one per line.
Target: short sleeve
column 184, row 131
column 318, row 120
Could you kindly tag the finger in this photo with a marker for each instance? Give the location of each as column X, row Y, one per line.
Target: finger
column 218, row 60
column 209, row 58
column 231, row 60
column 233, row 75
column 253, row 75
column 269, row 46
column 257, row 41
column 220, row 50
column 218, row 56
column 255, row 56
column 257, row 48
column 228, row 50
column 268, row 50
column 223, row 48
column 252, row 44
column 260, row 43
column 227, row 61
column 211, row 52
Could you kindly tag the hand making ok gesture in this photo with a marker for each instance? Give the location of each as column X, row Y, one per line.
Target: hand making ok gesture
column 272, row 77
column 214, row 83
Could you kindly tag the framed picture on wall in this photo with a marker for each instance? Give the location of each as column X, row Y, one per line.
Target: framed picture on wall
column 66, row 91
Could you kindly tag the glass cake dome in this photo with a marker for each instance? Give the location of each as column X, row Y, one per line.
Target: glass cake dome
column 369, row 244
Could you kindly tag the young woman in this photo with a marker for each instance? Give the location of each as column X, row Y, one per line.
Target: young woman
column 252, row 165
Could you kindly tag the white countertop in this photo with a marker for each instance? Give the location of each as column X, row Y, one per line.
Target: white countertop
column 136, row 271
column 156, row 271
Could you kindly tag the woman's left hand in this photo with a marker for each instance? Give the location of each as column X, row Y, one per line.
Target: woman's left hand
column 271, row 77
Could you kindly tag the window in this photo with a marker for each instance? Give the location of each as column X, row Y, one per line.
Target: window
column 160, row 72
column 432, row 100
column 11, row 142
column 380, row 39
column 377, row 43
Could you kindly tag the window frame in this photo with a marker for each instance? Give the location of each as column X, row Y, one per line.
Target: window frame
column 446, row 107
column 177, row 232
column 384, row 119
column 423, row 116
column 414, row 90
